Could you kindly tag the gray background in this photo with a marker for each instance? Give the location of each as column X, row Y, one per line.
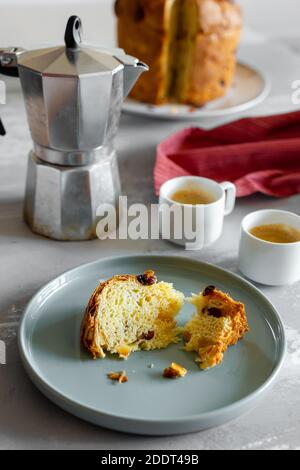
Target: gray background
column 27, row 261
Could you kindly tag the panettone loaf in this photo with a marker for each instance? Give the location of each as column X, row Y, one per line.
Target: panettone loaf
column 190, row 46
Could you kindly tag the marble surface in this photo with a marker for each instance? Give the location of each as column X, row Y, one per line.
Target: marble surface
column 27, row 419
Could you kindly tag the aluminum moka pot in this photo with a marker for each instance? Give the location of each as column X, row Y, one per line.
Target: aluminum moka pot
column 73, row 96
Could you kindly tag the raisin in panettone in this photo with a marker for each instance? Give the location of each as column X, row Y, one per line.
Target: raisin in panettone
column 189, row 45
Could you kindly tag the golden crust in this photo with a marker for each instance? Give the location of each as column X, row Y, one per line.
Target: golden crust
column 145, row 38
column 144, row 31
column 89, row 334
column 236, row 311
column 230, row 307
column 214, row 59
column 149, row 13
column 215, row 16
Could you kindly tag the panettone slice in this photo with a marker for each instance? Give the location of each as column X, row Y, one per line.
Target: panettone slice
column 129, row 313
column 219, row 323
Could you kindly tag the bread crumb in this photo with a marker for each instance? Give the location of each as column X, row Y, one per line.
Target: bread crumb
column 120, row 377
column 174, row 371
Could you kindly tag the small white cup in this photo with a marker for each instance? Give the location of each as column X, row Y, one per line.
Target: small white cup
column 206, row 218
column 273, row 264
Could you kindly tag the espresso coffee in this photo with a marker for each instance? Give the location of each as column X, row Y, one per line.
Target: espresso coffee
column 193, row 197
column 276, row 233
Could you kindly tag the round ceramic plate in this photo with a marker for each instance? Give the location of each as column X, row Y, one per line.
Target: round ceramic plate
column 250, row 87
column 148, row 403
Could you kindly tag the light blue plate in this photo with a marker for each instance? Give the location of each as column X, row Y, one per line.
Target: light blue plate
column 148, row 403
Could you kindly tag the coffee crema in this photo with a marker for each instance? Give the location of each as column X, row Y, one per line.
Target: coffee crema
column 276, row 233
column 193, row 197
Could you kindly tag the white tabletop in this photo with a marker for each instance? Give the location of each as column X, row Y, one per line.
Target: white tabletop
column 28, row 420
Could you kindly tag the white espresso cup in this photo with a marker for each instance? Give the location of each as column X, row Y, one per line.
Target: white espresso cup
column 266, row 262
column 194, row 226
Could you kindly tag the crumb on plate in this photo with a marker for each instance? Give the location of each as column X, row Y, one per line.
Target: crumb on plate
column 120, row 377
column 174, row 371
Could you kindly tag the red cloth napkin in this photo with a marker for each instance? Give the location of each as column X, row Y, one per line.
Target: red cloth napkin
column 257, row 154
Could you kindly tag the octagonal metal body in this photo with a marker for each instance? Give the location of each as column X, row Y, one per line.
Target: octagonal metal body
column 61, row 202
